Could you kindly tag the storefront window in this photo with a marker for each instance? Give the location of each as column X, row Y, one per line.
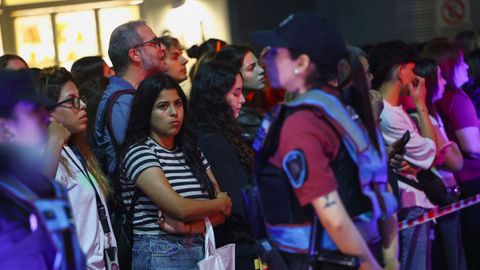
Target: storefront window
column 34, row 39
column 74, row 39
column 1, row 42
column 23, row 2
column 76, row 35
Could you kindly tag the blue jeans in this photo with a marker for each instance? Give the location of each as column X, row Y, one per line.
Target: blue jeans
column 470, row 220
column 415, row 243
column 167, row 252
column 448, row 249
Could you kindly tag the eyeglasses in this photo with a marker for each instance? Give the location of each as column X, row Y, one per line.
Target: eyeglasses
column 76, row 102
column 154, row 41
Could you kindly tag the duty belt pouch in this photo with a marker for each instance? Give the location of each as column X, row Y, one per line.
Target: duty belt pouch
column 334, row 260
column 266, row 250
column 327, row 259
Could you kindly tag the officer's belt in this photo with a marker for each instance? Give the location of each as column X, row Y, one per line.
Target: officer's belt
column 295, row 238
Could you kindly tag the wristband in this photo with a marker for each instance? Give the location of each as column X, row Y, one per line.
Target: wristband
column 190, row 228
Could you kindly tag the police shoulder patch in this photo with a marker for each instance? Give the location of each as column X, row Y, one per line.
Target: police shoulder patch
column 295, row 167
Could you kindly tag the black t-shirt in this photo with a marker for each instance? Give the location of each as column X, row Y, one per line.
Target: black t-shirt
column 232, row 178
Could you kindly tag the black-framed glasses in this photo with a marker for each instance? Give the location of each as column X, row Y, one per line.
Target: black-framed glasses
column 76, row 102
column 154, row 41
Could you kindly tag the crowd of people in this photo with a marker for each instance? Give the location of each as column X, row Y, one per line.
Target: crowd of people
column 107, row 167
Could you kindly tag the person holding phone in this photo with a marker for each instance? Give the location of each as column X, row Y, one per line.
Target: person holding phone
column 392, row 65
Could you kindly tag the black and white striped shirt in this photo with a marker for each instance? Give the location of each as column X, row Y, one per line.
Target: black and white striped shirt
column 142, row 156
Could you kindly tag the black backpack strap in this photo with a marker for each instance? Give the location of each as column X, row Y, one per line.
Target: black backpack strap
column 410, row 182
column 119, row 207
column 108, row 113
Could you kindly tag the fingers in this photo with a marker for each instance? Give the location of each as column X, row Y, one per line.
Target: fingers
column 397, row 160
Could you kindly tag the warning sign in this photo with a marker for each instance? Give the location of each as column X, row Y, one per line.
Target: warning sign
column 453, row 13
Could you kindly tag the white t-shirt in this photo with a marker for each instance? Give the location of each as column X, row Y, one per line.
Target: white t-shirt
column 84, row 207
column 420, row 151
column 447, row 176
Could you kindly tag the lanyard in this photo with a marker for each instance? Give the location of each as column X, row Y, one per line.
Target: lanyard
column 102, row 213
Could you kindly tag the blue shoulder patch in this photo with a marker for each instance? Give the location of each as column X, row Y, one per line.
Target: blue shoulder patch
column 295, row 167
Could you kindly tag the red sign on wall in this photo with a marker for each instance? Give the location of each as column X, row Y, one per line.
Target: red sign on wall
column 453, row 13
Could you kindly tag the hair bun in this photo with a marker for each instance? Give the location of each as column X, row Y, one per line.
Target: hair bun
column 194, row 52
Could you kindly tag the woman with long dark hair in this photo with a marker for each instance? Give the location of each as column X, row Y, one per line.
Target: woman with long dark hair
column 308, row 163
column 162, row 170
column 243, row 60
column 203, row 52
column 89, row 67
column 91, row 75
column 215, row 102
column 448, row 240
column 463, row 127
column 76, row 167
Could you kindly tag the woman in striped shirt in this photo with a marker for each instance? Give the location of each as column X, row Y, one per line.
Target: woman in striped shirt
column 164, row 171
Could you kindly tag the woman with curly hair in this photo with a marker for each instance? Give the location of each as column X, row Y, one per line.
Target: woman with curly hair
column 162, row 170
column 204, row 53
column 243, row 60
column 73, row 165
column 215, row 102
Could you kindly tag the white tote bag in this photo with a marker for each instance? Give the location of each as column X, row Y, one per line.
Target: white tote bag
column 216, row 259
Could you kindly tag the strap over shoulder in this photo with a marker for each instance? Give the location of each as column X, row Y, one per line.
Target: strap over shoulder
column 338, row 112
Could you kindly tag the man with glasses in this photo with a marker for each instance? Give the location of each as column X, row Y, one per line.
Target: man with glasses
column 135, row 52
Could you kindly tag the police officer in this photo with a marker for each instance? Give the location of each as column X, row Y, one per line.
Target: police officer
column 320, row 155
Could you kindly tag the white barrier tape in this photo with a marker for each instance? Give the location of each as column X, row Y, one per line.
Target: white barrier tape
column 438, row 212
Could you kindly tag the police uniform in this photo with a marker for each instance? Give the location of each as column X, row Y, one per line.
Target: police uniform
column 315, row 145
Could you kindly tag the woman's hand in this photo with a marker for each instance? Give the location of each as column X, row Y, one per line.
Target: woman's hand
column 58, row 135
column 418, row 91
column 58, row 132
column 172, row 226
column 400, row 165
column 228, row 203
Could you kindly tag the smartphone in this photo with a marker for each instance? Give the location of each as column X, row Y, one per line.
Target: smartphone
column 399, row 146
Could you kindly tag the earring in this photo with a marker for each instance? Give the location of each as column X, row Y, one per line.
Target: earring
column 296, row 71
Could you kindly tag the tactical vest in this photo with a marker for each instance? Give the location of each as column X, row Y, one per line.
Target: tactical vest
column 360, row 171
column 53, row 215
